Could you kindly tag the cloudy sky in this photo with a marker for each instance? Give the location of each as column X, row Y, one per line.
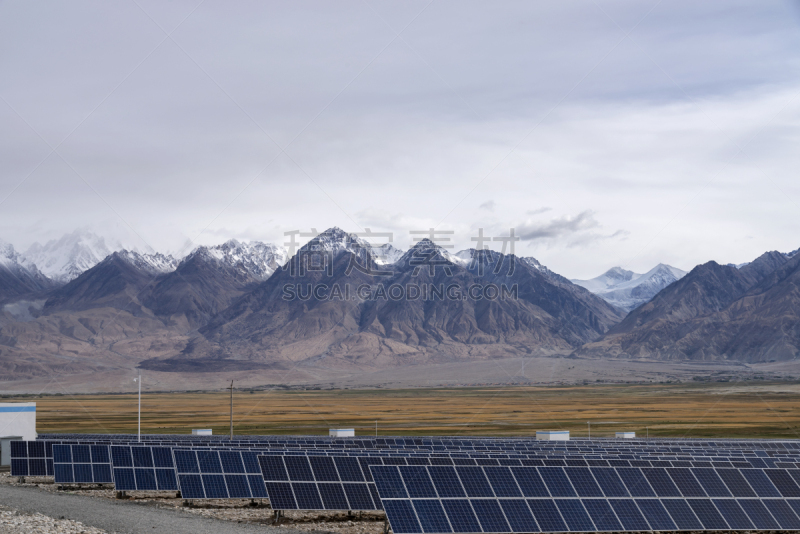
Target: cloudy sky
column 605, row 133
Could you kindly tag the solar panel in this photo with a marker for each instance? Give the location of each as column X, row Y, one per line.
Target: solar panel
column 333, row 483
column 82, row 464
column 213, row 474
column 31, row 458
column 142, row 468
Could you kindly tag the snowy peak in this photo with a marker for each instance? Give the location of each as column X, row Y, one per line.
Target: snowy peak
column 150, row 263
column 255, row 259
column 66, row 258
column 628, row 290
column 426, row 250
column 17, row 277
column 386, row 254
column 335, row 240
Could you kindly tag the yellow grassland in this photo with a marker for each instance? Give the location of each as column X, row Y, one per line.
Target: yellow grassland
column 680, row 410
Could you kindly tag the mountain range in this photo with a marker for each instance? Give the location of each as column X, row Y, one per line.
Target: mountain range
column 628, row 290
column 246, row 307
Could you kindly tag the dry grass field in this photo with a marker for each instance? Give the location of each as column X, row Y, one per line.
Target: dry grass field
column 675, row 410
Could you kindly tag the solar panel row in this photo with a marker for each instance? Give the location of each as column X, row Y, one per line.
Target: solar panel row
column 465, row 499
column 219, row 475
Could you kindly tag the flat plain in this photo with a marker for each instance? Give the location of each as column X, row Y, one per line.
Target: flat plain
column 689, row 410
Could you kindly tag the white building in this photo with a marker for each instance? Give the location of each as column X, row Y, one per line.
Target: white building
column 552, row 435
column 626, row 435
column 342, row 432
column 17, row 421
column 201, row 432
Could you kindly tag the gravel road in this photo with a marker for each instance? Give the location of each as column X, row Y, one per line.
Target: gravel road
column 120, row 516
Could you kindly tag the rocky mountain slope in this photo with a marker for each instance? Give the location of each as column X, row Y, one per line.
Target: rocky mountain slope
column 628, row 290
column 716, row 312
column 18, row 277
column 354, row 320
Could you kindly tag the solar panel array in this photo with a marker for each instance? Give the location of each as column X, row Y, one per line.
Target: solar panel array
column 219, row 474
column 458, row 485
column 82, row 464
column 433, row 499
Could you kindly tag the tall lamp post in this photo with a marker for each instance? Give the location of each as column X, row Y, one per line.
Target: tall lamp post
column 231, row 388
column 139, row 424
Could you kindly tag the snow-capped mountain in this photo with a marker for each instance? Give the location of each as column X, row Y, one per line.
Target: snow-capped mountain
column 17, row 276
column 66, row 258
column 386, row 254
column 150, row 263
column 255, row 258
column 628, row 290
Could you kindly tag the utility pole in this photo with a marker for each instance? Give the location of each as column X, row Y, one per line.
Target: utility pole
column 376, row 428
column 647, row 428
column 590, row 428
column 231, row 388
column 139, row 431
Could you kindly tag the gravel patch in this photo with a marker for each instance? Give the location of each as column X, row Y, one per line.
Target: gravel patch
column 14, row 522
column 236, row 513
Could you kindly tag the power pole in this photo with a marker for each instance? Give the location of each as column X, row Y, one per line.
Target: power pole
column 231, row 388
column 590, row 428
column 139, row 431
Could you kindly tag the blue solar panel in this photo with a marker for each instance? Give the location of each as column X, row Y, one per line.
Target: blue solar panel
column 760, row 483
column 402, row 517
column 519, row 516
column 759, row 514
column 529, row 482
column 81, row 464
column 783, row 513
column 462, row 517
column 682, row 514
column 547, row 515
column 661, row 482
column 686, row 482
column 733, row 514
column 783, row 481
column 446, row 481
column 322, row 494
column 417, row 482
column 431, row 516
column 222, row 475
column 602, row 515
column 474, row 481
column 629, row 514
column 708, row 514
column 655, row 514
column 490, row 515
column 575, row 515
column 556, row 481
column 635, row 482
column 711, row 482
column 583, row 481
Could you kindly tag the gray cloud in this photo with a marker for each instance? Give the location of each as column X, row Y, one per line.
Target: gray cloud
column 557, row 228
column 669, row 130
column 488, row 205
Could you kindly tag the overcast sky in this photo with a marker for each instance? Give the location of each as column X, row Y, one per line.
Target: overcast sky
column 605, row 133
